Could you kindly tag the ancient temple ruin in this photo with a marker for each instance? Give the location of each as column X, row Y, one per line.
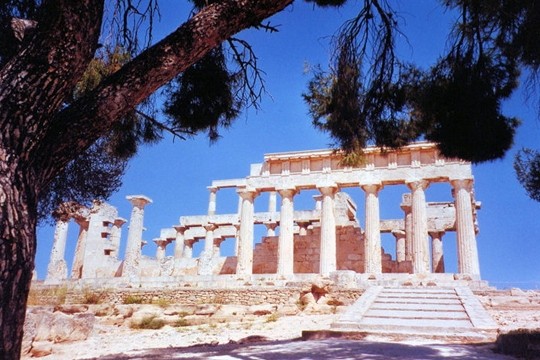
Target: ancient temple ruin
column 325, row 241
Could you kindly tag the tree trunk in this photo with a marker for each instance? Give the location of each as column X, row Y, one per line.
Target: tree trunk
column 17, row 250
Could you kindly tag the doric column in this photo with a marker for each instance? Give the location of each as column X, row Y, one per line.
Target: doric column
column 212, row 200
column 270, row 228
column 179, row 242
column 57, row 268
column 372, row 234
column 466, row 238
column 400, row 244
column 420, row 256
column 236, row 237
column 209, row 239
column 188, row 249
column 134, row 241
column 285, row 264
column 437, row 256
column 116, row 235
column 161, row 247
column 407, row 219
column 328, row 257
column 302, row 226
column 78, row 259
column 272, row 202
column 245, row 244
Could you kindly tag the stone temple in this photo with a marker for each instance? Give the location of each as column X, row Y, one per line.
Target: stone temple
column 327, row 241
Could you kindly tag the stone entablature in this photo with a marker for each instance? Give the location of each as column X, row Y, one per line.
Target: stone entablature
column 324, row 240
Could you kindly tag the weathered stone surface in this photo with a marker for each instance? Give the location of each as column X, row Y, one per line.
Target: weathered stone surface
column 41, row 349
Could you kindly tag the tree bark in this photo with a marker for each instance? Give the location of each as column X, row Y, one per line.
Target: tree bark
column 17, row 252
column 38, row 137
column 91, row 116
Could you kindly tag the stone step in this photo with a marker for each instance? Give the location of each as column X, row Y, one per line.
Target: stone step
column 415, row 323
column 386, row 295
column 417, row 314
column 420, row 290
column 409, row 300
column 416, row 306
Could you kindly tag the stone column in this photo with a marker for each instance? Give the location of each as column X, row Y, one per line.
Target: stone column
column 270, row 228
column 116, row 235
column 57, row 268
column 328, row 256
column 134, row 241
column 78, row 259
column 400, row 244
column 372, row 234
column 212, row 200
column 420, row 257
column 236, row 238
column 466, row 237
column 285, row 264
column 406, row 207
column 302, row 227
column 272, row 201
column 188, row 249
column 161, row 247
column 179, row 244
column 437, row 257
column 245, row 245
column 209, row 240
column 206, row 260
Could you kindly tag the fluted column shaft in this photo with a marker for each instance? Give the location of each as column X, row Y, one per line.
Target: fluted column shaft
column 245, row 243
column 437, row 253
column 420, row 259
column 209, row 240
column 133, row 249
column 372, row 234
column 116, row 235
column 57, row 269
column 466, row 238
column 212, row 200
column 328, row 257
column 180, row 243
column 78, row 259
column 286, row 233
column 400, row 244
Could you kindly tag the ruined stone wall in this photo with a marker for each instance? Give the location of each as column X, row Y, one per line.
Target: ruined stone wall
column 239, row 296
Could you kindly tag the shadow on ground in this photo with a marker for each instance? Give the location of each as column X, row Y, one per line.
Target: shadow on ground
column 316, row 350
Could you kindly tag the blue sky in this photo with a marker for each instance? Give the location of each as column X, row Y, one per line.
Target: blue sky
column 175, row 174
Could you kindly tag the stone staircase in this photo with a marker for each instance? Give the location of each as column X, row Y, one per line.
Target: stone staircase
column 448, row 314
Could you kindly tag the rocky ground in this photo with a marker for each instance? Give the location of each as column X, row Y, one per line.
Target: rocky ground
column 232, row 332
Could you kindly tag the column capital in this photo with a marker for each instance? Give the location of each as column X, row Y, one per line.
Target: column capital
column 119, row 222
column 180, row 229
column 210, row 226
column 161, row 242
column 287, row 192
column 247, row 193
column 462, row 184
column 328, row 188
column 398, row 233
column 373, row 188
column 417, row 184
column 139, row 201
column 436, row 233
column 212, row 189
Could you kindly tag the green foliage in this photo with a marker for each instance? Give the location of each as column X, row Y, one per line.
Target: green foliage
column 202, row 98
column 527, row 167
column 91, row 297
column 133, row 299
column 150, row 322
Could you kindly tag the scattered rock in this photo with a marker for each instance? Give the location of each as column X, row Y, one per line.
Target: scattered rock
column 71, row 309
column 41, row 348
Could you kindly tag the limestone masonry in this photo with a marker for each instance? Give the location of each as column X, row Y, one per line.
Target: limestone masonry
column 326, row 241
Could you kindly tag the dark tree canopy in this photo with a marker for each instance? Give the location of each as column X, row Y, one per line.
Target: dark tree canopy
column 71, row 106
